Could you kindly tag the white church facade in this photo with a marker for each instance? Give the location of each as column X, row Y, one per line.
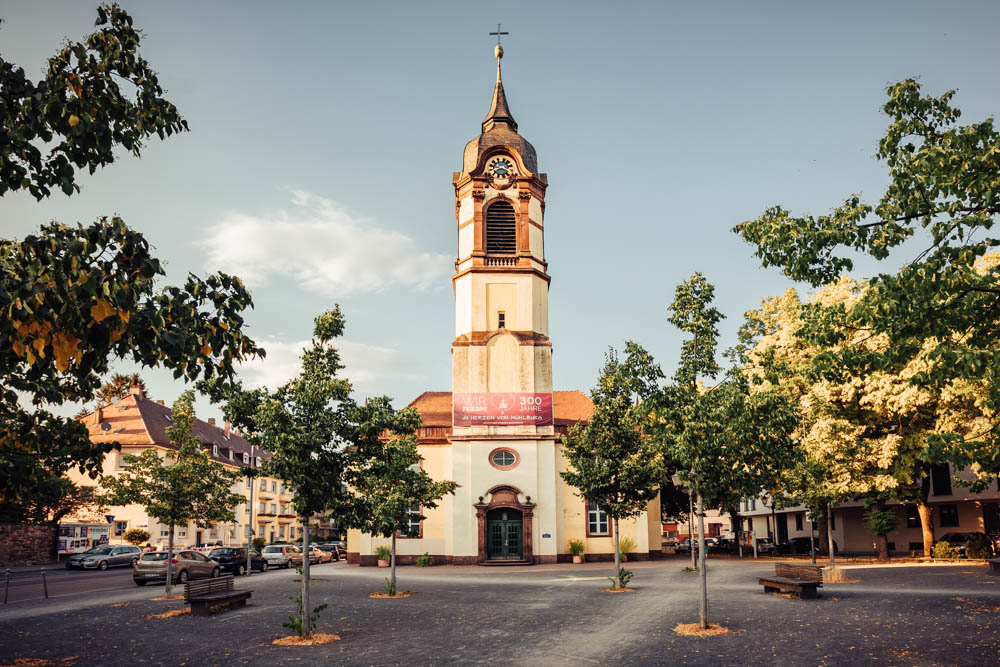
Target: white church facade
column 499, row 432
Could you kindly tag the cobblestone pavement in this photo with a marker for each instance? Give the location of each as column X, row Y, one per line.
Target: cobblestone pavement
column 541, row 615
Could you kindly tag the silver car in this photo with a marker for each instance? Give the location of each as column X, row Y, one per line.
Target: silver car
column 282, row 555
column 104, row 556
column 186, row 565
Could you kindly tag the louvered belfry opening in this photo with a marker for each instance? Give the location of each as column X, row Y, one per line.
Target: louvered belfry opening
column 501, row 229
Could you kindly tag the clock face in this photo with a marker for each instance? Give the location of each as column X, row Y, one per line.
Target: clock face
column 502, row 167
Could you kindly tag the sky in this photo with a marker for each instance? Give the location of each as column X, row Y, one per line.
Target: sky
column 324, row 136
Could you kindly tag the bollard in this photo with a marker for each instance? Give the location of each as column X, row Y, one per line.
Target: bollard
column 45, row 584
column 6, row 587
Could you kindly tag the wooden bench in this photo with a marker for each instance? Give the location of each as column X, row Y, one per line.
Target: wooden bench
column 802, row 580
column 206, row 594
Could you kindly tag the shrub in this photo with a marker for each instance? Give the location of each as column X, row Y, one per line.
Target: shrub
column 944, row 551
column 576, row 547
column 626, row 576
column 626, row 545
column 425, row 561
column 136, row 536
column 258, row 543
column 977, row 547
column 383, row 552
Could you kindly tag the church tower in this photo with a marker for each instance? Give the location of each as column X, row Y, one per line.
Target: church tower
column 501, row 356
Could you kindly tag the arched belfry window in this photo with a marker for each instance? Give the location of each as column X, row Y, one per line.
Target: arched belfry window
column 501, row 229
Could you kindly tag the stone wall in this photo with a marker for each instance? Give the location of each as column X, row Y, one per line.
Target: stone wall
column 26, row 544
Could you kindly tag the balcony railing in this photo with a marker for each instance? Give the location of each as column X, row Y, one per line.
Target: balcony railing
column 501, row 260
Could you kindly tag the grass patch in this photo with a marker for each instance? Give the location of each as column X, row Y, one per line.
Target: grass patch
column 400, row 594
column 316, row 638
column 170, row 614
column 695, row 630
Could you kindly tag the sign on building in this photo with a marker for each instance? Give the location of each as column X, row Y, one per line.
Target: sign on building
column 502, row 409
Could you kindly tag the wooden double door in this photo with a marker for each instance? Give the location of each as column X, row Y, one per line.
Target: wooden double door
column 504, row 534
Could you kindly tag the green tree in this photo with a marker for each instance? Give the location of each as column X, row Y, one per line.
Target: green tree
column 308, row 424
column 611, row 463
column 180, row 486
column 387, row 474
column 75, row 298
column 136, row 536
column 82, row 110
column 942, row 197
column 726, row 442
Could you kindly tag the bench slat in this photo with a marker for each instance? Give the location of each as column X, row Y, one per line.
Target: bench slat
column 804, row 572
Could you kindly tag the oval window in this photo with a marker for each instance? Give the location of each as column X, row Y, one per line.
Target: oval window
column 503, row 458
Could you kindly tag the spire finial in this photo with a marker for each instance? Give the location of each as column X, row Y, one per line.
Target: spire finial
column 499, row 113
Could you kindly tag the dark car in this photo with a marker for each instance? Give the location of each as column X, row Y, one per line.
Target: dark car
column 961, row 540
column 234, row 559
column 724, row 545
column 800, row 545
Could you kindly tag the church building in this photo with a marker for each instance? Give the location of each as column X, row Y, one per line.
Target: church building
column 498, row 433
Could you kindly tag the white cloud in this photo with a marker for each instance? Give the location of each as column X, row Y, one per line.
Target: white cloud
column 367, row 366
column 321, row 246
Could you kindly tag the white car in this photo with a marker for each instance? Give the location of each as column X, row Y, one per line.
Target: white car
column 282, row 555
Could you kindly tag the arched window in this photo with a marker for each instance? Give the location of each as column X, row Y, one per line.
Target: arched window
column 501, row 229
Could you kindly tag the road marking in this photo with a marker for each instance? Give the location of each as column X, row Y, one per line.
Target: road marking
column 567, row 578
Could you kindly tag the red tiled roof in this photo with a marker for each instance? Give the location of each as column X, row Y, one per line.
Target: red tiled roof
column 137, row 420
column 568, row 407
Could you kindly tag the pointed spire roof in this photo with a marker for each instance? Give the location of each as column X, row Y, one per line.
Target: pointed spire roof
column 499, row 110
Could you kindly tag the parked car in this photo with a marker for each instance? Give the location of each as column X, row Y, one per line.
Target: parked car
column 724, row 545
column 960, row 540
column 319, row 555
column 282, row 555
column 765, row 545
column 800, row 545
column 234, row 559
column 684, row 546
column 330, row 549
column 103, row 557
column 187, row 564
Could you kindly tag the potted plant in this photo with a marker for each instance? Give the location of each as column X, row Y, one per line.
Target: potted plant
column 576, row 548
column 626, row 545
column 383, row 553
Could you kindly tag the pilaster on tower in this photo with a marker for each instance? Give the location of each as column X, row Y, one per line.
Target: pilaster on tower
column 501, row 277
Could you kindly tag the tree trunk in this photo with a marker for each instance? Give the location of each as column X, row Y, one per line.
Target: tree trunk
column 823, row 528
column 703, row 600
column 170, row 560
column 734, row 518
column 392, row 564
column 883, row 548
column 924, row 510
column 618, row 563
column 694, row 556
column 306, row 608
column 829, row 536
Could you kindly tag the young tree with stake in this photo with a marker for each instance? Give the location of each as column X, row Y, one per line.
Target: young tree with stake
column 611, row 463
column 181, row 486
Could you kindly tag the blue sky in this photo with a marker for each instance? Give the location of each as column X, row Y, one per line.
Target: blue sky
column 324, row 137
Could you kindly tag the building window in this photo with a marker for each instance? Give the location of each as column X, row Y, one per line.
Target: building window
column 263, row 485
column 503, row 458
column 215, row 450
column 501, row 321
column 246, row 458
column 120, row 462
column 230, row 453
column 281, row 532
column 753, row 504
column 597, row 520
column 182, row 532
column 501, row 229
column 798, row 520
column 411, row 523
column 948, row 515
column 120, row 528
column 164, row 532
column 274, row 486
column 258, row 461
column 941, row 479
column 274, row 508
column 263, row 508
column 912, row 517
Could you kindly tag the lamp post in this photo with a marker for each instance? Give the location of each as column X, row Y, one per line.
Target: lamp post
column 110, row 518
column 251, row 482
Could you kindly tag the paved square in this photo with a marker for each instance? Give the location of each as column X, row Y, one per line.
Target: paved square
column 542, row 615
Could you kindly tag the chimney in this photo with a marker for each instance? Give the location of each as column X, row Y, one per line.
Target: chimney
column 227, row 428
column 211, row 421
column 98, row 415
column 136, row 391
column 160, row 402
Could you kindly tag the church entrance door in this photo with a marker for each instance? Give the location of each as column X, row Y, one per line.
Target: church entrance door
column 504, row 534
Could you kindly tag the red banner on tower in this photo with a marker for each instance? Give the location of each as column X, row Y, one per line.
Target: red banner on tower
column 502, row 409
